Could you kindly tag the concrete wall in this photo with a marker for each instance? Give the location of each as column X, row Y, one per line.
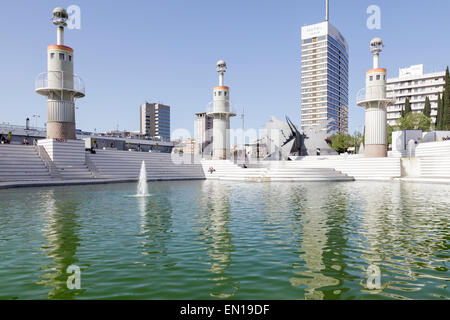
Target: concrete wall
column 410, row 168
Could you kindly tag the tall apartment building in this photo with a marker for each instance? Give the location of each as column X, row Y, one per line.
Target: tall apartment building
column 155, row 120
column 413, row 84
column 203, row 133
column 324, row 77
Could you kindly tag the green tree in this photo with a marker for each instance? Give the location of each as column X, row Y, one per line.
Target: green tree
column 427, row 108
column 414, row 121
column 445, row 120
column 407, row 107
column 439, row 113
column 341, row 142
column 390, row 129
column 357, row 139
column 445, row 115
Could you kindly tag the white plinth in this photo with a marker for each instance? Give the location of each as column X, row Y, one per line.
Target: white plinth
column 65, row 151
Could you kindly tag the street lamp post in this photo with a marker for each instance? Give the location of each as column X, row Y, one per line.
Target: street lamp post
column 35, row 116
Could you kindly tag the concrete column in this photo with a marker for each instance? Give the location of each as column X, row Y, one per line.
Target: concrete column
column 221, row 123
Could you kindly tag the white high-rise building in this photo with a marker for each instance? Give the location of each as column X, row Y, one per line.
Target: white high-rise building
column 324, row 77
column 203, row 132
column 413, row 84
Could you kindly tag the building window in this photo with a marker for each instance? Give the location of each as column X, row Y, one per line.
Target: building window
column 52, row 55
column 70, row 57
column 378, row 77
column 61, row 56
column 220, row 93
column 371, row 78
column 225, row 93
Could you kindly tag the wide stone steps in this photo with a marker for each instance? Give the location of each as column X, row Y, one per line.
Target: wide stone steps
column 268, row 171
column 21, row 165
column 21, row 162
column 160, row 166
column 434, row 167
column 433, row 149
column 356, row 167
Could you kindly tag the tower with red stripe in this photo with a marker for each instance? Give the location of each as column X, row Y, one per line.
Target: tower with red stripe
column 221, row 116
column 60, row 85
column 373, row 99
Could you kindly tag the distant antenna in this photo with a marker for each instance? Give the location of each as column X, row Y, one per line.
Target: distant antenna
column 327, row 12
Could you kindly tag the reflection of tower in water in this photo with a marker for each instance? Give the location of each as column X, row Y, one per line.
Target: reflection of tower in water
column 61, row 232
column 216, row 229
column 398, row 235
column 314, row 241
column 156, row 220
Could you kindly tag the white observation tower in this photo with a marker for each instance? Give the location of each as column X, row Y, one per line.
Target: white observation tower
column 61, row 87
column 373, row 98
column 221, row 116
column 59, row 84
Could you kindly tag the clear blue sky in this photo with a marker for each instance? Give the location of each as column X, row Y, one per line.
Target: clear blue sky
column 131, row 51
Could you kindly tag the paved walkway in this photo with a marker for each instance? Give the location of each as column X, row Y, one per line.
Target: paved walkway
column 44, row 183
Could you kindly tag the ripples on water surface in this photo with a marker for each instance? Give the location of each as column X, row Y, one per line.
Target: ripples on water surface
column 218, row 240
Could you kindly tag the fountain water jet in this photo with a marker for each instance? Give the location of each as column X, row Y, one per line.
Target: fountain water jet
column 142, row 188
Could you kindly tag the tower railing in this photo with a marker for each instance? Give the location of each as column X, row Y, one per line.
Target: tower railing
column 232, row 110
column 371, row 93
column 42, row 85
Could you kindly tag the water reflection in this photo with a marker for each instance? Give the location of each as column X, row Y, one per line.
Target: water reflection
column 61, row 230
column 402, row 239
column 310, row 275
column 218, row 238
column 214, row 239
column 155, row 223
column 339, row 222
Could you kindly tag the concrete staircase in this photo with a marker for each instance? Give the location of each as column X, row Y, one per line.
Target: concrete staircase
column 434, row 167
column 293, row 171
column 68, row 157
column 127, row 164
column 227, row 170
column 358, row 167
column 433, row 149
column 68, row 170
column 270, row 171
column 21, row 162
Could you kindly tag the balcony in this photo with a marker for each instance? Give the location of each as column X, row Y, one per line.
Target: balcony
column 231, row 111
column 56, row 81
column 374, row 93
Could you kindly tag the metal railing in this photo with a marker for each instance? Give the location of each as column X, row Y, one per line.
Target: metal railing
column 371, row 93
column 11, row 127
column 49, row 164
column 76, row 83
column 232, row 110
column 91, row 166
